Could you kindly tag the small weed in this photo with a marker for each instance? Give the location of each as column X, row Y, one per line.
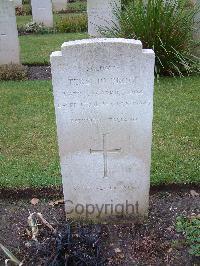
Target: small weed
column 190, row 227
column 33, row 27
column 72, row 24
column 13, row 72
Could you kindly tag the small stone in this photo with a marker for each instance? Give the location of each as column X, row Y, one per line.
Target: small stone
column 194, row 193
column 170, row 228
column 117, row 250
column 34, row 201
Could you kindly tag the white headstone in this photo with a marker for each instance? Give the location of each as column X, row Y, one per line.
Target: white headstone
column 59, row 5
column 17, row 3
column 104, row 111
column 101, row 13
column 197, row 27
column 42, row 12
column 9, row 43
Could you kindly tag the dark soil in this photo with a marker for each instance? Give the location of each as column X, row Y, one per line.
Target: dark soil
column 39, row 72
column 155, row 242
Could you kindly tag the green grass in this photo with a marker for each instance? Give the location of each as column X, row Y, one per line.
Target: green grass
column 23, row 20
column 36, row 49
column 78, row 5
column 28, row 140
column 190, row 228
column 28, row 146
column 176, row 131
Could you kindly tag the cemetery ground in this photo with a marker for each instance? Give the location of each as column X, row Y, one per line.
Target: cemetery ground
column 30, row 179
column 157, row 241
column 30, row 169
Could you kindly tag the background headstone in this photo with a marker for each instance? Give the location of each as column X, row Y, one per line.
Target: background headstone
column 9, row 43
column 42, row 12
column 101, row 14
column 104, row 111
column 197, row 27
column 59, row 5
column 17, row 3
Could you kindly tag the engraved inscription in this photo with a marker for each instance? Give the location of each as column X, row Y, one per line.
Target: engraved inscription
column 105, row 152
column 100, row 68
column 104, row 92
column 113, row 119
column 76, row 99
column 98, row 104
column 103, row 81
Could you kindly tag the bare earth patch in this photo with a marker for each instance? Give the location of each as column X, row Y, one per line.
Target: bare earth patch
column 39, row 72
column 155, row 242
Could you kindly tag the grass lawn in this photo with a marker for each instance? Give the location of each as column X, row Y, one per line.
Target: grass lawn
column 28, row 146
column 36, row 49
column 23, row 20
column 78, row 5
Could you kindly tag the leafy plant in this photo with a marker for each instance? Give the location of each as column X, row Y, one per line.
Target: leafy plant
column 72, row 24
column 24, row 2
column 13, row 72
column 167, row 27
column 33, row 27
column 190, row 227
column 11, row 256
column 74, row 7
column 24, row 10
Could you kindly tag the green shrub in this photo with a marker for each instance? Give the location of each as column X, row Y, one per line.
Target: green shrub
column 74, row 7
column 33, row 27
column 164, row 26
column 24, row 10
column 24, row 2
column 72, row 24
column 190, row 227
column 13, row 72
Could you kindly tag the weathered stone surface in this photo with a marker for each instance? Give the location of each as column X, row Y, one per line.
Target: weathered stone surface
column 103, row 94
column 9, row 43
column 59, row 5
column 42, row 12
column 17, row 3
column 101, row 14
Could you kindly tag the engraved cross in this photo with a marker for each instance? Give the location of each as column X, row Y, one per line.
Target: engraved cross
column 105, row 152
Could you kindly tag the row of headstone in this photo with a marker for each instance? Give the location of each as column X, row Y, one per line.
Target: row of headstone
column 42, row 13
column 100, row 13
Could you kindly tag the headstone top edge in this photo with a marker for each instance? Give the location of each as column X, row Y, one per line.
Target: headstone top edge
column 148, row 52
column 133, row 42
column 56, row 54
column 101, row 40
